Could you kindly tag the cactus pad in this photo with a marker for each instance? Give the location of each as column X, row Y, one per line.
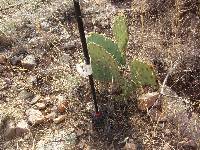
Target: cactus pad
column 104, row 66
column 143, row 74
column 108, row 45
column 120, row 31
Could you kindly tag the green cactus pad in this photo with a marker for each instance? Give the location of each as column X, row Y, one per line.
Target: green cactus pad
column 120, row 31
column 143, row 74
column 104, row 67
column 108, row 45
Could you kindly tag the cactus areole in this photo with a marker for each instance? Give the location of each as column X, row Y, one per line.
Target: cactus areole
column 86, row 54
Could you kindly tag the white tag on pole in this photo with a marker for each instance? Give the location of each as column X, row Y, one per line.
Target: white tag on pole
column 83, row 69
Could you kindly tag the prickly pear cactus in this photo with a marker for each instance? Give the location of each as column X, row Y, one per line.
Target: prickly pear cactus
column 120, row 31
column 104, row 67
column 143, row 74
column 108, row 45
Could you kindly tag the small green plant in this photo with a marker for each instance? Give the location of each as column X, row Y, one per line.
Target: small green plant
column 108, row 59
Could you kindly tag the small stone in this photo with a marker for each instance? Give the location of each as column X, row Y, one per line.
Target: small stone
column 147, row 100
column 16, row 60
column 40, row 106
column 60, row 97
column 61, row 108
column 17, row 57
column 50, row 116
column 99, row 2
column 22, row 128
column 24, row 95
column 10, row 130
column 54, row 109
column 64, row 59
column 79, row 132
column 47, row 99
column 6, row 41
column 167, row 131
column 161, row 124
column 166, row 147
column 3, row 59
column 29, row 62
column 35, row 99
column 89, row 106
column 62, row 104
column 32, row 80
column 130, row 146
column 157, row 115
column 60, row 119
column 35, row 116
column 44, row 25
column 48, row 110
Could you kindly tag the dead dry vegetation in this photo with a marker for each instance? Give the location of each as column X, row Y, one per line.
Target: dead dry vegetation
column 45, row 104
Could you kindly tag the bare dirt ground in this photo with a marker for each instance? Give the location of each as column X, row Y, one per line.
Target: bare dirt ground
column 164, row 33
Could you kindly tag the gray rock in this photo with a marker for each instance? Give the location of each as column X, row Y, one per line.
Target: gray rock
column 35, row 116
column 10, row 130
column 41, row 106
column 32, row 80
column 29, row 62
column 22, row 128
column 70, row 45
column 6, row 41
column 60, row 140
column 24, row 95
column 35, row 99
column 147, row 100
column 59, row 119
column 17, row 57
column 51, row 116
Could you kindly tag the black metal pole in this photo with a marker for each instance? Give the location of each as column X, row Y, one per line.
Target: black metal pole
column 85, row 50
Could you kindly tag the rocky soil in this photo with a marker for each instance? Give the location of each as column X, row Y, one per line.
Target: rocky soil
column 45, row 104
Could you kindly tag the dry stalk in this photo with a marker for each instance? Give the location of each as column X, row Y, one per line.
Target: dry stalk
column 173, row 67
